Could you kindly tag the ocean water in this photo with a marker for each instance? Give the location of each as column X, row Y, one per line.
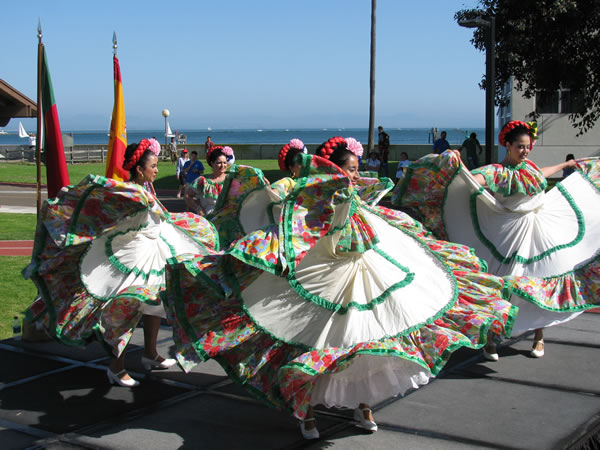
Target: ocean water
column 268, row 136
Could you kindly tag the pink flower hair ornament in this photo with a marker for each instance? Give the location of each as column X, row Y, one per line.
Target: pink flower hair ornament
column 228, row 152
column 354, row 146
column 154, row 146
column 297, row 143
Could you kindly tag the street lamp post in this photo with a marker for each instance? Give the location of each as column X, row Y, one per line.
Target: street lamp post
column 489, row 23
column 165, row 113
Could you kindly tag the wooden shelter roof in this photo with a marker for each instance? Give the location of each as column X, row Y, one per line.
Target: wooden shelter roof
column 14, row 104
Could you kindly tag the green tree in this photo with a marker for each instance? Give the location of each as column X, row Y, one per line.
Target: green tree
column 545, row 45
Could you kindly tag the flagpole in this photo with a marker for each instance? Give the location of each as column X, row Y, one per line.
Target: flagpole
column 38, row 143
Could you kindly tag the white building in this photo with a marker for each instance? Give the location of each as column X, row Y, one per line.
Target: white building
column 557, row 137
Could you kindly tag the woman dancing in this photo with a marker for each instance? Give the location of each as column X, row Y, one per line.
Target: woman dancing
column 99, row 257
column 201, row 195
column 504, row 213
column 330, row 302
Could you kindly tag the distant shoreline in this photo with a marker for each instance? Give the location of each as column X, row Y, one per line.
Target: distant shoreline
column 410, row 136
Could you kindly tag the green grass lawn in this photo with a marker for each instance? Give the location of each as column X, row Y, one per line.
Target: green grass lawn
column 17, row 227
column 16, row 293
column 26, row 172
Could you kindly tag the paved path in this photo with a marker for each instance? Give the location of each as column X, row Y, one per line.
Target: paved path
column 56, row 396
column 16, row 248
column 22, row 199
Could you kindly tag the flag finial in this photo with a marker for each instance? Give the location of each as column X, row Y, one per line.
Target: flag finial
column 115, row 43
column 39, row 30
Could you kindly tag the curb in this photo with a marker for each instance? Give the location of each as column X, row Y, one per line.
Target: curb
column 159, row 192
column 31, row 185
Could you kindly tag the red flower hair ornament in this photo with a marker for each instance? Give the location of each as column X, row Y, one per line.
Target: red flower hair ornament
column 294, row 143
column 338, row 142
column 531, row 128
column 145, row 144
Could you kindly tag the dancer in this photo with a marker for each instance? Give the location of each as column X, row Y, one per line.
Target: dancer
column 331, row 300
column 201, row 194
column 99, row 257
column 517, row 227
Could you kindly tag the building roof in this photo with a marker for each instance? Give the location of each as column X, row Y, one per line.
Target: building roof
column 14, row 104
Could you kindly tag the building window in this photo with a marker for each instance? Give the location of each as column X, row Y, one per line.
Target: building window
column 571, row 101
column 546, row 102
column 562, row 101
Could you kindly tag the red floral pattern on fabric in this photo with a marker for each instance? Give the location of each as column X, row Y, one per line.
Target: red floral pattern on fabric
column 213, row 322
column 424, row 186
column 67, row 226
column 526, row 178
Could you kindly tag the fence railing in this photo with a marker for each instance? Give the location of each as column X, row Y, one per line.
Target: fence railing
column 98, row 153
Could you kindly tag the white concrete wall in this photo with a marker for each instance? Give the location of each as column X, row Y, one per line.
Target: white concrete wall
column 557, row 137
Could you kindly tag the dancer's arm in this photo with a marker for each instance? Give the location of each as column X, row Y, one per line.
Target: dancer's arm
column 551, row 170
column 478, row 177
column 190, row 201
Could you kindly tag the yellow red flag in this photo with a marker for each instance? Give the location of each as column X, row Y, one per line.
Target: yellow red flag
column 117, row 143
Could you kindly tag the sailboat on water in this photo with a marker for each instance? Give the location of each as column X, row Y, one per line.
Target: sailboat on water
column 168, row 132
column 22, row 132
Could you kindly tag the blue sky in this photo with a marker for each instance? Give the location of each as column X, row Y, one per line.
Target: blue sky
column 248, row 64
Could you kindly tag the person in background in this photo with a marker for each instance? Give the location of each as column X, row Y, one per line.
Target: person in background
column 373, row 163
column 568, row 170
column 32, row 140
column 383, row 142
column 473, row 149
column 179, row 171
column 402, row 165
column 208, row 145
column 441, row 144
column 193, row 168
column 173, row 150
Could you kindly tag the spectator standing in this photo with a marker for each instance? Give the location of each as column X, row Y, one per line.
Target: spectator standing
column 383, row 142
column 208, row 145
column 193, row 168
column 179, row 170
column 173, row 150
column 473, row 148
column 441, row 144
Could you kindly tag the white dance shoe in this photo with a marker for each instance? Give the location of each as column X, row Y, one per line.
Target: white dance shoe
column 155, row 364
column 361, row 422
column 115, row 378
column 313, row 433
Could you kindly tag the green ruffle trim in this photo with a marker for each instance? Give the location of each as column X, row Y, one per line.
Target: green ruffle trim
column 127, row 270
column 372, row 304
column 513, row 180
column 344, row 309
column 515, row 257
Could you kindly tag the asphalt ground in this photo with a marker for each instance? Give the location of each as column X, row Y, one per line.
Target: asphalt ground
column 57, row 396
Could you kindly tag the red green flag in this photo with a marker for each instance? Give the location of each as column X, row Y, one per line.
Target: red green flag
column 57, row 174
column 117, row 143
